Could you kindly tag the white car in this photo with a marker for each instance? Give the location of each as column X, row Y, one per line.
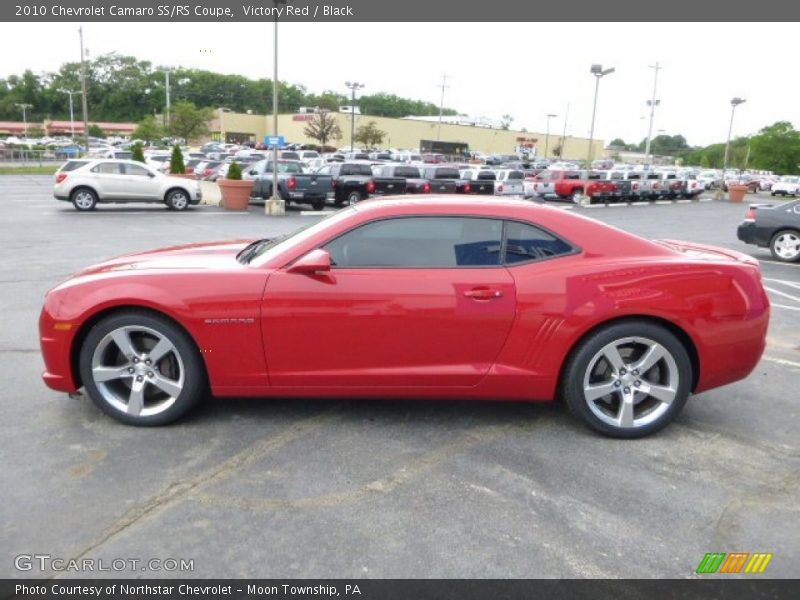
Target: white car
column 87, row 182
column 788, row 185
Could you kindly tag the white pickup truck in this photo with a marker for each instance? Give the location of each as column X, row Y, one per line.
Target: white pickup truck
column 508, row 182
column 788, row 185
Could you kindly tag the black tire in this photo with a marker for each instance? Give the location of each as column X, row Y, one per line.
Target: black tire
column 781, row 236
column 177, row 199
column 84, row 199
column 772, row 193
column 180, row 364
column 318, row 204
column 585, row 357
column 353, row 197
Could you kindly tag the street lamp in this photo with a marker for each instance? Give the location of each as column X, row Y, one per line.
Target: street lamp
column 599, row 73
column 652, row 104
column 353, row 86
column 734, row 103
column 547, row 135
column 24, row 106
column 71, row 112
column 275, row 206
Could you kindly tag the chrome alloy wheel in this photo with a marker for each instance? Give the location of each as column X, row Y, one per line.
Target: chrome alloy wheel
column 179, row 200
column 138, row 370
column 787, row 246
column 630, row 382
column 84, row 200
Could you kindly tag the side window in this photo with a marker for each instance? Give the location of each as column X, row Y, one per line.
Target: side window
column 425, row 242
column 525, row 242
column 107, row 169
column 136, row 170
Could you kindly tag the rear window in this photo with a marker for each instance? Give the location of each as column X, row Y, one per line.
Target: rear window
column 572, row 175
column 124, row 155
column 355, row 170
column 486, row 176
column 406, row 172
column 71, row 165
column 446, row 174
column 290, row 155
column 516, row 175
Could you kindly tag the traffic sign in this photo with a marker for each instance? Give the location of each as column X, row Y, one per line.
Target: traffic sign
column 274, row 140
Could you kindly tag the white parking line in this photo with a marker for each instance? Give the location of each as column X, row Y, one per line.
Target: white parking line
column 315, row 213
column 773, row 305
column 784, row 294
column 706, row 200
column 777, row 262
column 684, row 201
column 663, row 201
column 793, row 284
column 780, row 361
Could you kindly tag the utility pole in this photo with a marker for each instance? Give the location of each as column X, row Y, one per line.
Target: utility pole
column 24, row 106
column 444, row 86
column 169, row 106
column 599, row 73
column 83, row 93
column 652, row 104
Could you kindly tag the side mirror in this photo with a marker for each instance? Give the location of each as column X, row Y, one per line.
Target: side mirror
column 252, row 172
column 316, row 261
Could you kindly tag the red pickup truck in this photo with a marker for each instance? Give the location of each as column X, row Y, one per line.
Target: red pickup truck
column 570, row 185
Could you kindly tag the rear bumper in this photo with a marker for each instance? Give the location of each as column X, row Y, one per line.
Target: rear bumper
column 749, row 233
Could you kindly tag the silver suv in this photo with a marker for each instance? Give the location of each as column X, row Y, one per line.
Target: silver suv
column 89, row 181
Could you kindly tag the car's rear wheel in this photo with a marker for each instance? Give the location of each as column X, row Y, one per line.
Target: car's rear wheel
column 576, row 196
column 84, row 199
column 627, row 380
column 353, row 197
column 318, row 204
column 141, row 369
column 177, row 200
column 785, row 246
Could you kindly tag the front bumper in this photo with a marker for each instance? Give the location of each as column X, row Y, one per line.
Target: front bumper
column 55, row 344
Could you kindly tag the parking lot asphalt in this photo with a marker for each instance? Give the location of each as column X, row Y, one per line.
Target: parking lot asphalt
column 299, row 488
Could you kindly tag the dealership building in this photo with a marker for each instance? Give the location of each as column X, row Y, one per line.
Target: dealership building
column 404, row 133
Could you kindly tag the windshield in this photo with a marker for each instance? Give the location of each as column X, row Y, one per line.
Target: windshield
column 261, row 251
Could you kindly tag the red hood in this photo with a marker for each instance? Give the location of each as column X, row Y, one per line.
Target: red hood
column 187, row 256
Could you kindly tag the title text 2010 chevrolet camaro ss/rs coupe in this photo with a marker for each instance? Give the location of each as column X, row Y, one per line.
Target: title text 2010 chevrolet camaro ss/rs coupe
column 401, row 298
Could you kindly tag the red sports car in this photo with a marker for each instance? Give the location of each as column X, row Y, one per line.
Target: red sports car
column 403, row 298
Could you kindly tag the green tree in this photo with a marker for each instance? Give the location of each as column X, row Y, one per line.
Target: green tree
column 505, row 121
column 617, row 143
column 176, row 166
column 323, row 127
column 557, row 151
column 776, row 148
column 369, row 135
column 138, row 155
column 187, row 121
column 96, row 131
column 148, row 130
column 234, row 171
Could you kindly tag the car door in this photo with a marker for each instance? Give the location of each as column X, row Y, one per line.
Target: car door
column 409, row 301
column 109, row 180
column 141, row 183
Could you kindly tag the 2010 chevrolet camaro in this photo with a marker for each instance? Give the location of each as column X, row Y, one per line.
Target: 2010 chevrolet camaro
column 402, row 298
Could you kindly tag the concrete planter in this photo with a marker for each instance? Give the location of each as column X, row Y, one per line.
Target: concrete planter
column 235, row 193
column 736, row 192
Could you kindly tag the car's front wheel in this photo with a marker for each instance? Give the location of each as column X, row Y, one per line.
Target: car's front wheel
column 84, row 199
column 141, row 368
column 785, row 246
column 627, row 380
column 177, row 200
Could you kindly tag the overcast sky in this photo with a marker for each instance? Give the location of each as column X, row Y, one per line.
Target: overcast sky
column 526, row 70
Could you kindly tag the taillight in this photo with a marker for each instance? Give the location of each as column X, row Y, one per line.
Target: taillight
column 426, row 188
column 751, row 215
column 635, row 186
column 291, row 183
column 207, row 172
column 467, row 188
column 370, row 186
column 500, row 187
column 333, row 184
column 60, row 177
column 656, row 186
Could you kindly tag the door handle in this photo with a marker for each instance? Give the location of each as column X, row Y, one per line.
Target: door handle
column 483, row 294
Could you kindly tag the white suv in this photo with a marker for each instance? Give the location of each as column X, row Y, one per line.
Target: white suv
column 89, row 181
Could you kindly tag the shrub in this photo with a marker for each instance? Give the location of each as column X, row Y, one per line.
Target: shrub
column 176, row 166
column 138, row 154
column 234, row 171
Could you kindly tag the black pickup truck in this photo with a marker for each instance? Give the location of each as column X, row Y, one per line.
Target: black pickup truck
column 444, row 180
column 355, row 181
column 294, row 185
column 415, row 183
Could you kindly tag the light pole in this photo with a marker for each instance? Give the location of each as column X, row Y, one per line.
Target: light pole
column 353, row 86
column 169, row 103
column 24, row 106
column 84, row 100
column 652, row 104
column 276, row 206
column 599, row 73
column 564, row 134
column 547, row 135
column 734, row 103
column 441, row 106
column 71, row 112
